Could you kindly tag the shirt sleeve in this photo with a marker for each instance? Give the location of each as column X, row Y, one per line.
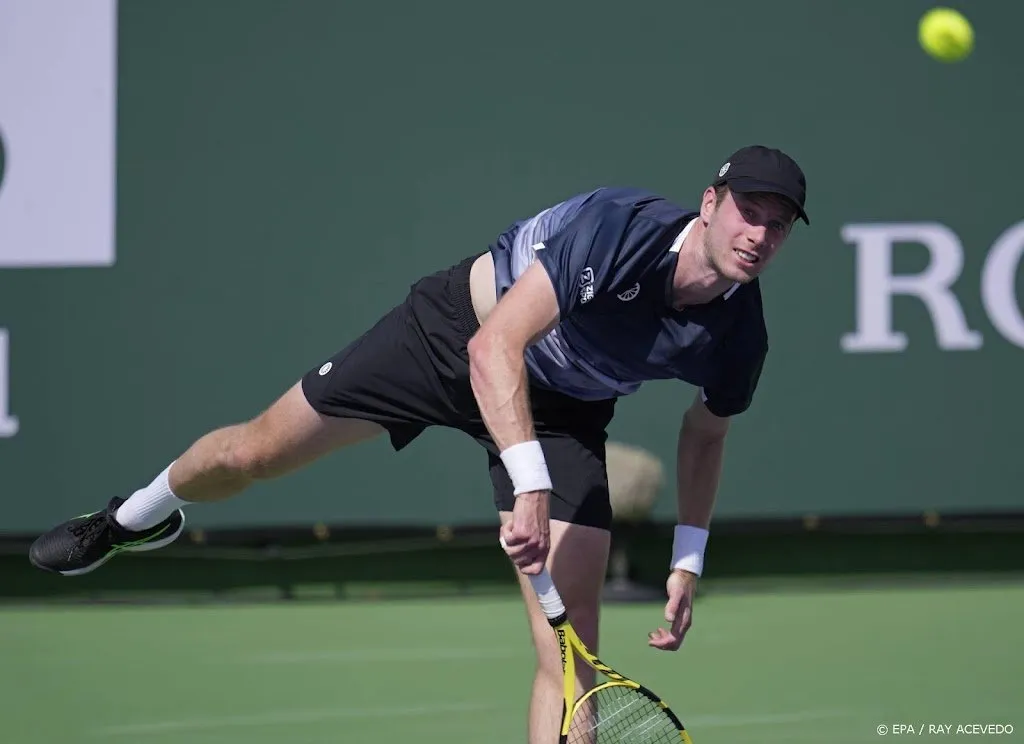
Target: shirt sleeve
column 738, row 363
column 603, row 249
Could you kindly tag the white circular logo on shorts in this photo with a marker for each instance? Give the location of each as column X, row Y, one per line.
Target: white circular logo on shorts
column 325, row 369
column 723, row 170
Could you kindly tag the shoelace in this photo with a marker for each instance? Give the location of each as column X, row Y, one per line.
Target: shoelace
column 91, row 528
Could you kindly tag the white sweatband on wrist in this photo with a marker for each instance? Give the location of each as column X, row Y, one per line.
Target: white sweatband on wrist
column 688, row 546
column 526, row 467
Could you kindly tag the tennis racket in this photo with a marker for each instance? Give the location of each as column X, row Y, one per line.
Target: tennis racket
column 616, row 710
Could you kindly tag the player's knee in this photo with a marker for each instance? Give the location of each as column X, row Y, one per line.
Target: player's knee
column 585, row 622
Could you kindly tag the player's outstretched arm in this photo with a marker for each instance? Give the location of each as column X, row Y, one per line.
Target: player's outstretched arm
column 699, row 457
column 498, row 375
column 497, row 367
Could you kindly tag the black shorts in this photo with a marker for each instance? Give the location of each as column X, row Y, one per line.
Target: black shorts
column 411, row 371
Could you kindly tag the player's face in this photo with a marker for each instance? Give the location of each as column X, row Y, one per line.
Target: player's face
column 745, row 232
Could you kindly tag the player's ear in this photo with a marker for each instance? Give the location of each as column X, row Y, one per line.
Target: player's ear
column 708, row 204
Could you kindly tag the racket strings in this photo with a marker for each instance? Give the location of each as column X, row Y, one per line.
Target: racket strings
column 621, row 715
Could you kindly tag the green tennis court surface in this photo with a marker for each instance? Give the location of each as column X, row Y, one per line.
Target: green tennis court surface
column 780, row 667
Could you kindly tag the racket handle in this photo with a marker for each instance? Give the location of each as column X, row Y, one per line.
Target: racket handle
column 550, row 600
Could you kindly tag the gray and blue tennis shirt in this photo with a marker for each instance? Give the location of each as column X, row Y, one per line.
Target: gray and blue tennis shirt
column 611, row 255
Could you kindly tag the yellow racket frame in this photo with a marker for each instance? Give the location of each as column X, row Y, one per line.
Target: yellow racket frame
column 569, row 641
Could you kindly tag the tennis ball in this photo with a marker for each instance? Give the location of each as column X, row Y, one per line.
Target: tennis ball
column 945, row 34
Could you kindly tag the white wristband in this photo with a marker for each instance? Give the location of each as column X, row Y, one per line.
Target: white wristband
column 527, row 467
column 688, row 546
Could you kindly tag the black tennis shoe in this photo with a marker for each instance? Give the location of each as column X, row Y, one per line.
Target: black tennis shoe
column 85, row 543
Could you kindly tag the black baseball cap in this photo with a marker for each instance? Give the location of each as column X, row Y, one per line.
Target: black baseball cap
column 764, row 169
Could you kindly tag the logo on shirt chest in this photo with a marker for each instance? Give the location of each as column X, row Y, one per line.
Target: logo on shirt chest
column 629, row 294
column 586, row 285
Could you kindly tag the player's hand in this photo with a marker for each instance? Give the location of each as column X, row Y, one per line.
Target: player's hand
column 681, row 587
column 527, row 537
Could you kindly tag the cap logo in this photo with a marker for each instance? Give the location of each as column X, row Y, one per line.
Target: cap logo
column 723, row 170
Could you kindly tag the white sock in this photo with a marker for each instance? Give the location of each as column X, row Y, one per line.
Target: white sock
column 149, row 506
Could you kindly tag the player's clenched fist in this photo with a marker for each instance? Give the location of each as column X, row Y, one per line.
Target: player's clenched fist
column 527, row 537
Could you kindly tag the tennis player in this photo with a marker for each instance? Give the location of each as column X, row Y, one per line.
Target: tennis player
column 526, row 348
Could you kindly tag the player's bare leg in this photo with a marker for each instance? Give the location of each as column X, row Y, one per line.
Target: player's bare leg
column 221, row 464
column 578, row 561
column 285, row 437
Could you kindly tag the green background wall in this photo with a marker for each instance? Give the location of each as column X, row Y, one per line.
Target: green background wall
column 286, row 170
